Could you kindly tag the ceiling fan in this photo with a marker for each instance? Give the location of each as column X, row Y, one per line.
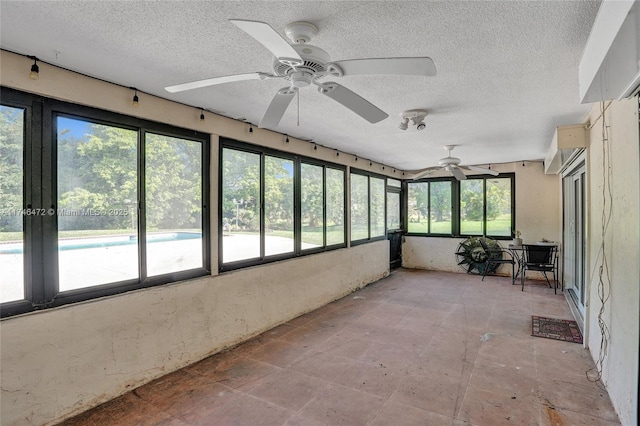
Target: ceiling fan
column 452, row 165
column 302, row 64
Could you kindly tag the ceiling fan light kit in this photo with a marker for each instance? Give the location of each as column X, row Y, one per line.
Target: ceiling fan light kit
column 302, row 65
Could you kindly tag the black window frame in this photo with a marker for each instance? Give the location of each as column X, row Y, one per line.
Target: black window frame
column 369, row 175
column 40, row 192
column 262, row 151
column 455, row 203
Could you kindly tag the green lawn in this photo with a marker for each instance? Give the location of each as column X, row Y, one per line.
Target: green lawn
column 500, row 226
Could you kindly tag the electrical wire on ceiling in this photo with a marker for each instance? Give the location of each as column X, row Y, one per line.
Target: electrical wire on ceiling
column 604, row 276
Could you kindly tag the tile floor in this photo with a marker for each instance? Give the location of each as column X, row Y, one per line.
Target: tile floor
column 416, row 348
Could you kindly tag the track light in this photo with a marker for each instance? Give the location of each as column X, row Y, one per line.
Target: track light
column 201, row 114
column 34, row 74
column 416, row 116
column 136, row 100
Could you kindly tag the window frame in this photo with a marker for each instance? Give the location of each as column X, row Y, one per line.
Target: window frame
column 369, row 175
column 227, row 143
column 455, row 203
column 40, row 191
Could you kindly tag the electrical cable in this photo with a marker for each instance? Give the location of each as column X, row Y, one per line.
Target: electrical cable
column 604, row 275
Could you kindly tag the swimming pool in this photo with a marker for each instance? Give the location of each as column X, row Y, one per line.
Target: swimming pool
column 107, row 241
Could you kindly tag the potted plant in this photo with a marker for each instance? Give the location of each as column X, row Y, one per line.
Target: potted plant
column 517, row 241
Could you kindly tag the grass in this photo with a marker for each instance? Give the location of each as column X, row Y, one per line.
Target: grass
column 500, row 226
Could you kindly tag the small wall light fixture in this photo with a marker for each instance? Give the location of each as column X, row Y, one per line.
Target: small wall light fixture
column 337, row 153
column 201, row 114
column 315, row 147
column 250, row 129
column 286, row 139
column 136, row 101
column 34, row 74
column 355, row 159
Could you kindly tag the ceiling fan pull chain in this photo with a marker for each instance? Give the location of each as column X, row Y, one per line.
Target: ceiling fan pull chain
column 298, row 93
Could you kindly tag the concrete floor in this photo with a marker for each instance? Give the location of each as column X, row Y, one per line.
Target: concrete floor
column 416, row 348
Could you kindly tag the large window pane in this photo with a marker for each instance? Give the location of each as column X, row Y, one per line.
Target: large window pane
column 97, row 194
column 173, row 189
column 471, row 207
column 240, row 205
column 440, row 207
column 11, row 204
column 393, row 210
column 359, row 207
column 311, row 205
column 418, row 207
column 498, row 207
column 377, row 207
column 278, row 205
column 335, row 206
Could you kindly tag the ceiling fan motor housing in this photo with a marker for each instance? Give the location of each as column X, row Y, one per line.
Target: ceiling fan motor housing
column 315, row 63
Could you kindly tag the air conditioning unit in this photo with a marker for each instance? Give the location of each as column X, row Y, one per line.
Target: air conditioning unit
column 610, row 65
column 567, row 143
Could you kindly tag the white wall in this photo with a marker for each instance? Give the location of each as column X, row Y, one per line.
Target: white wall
column 62, row 361
column 538, row 216
column 622, row 250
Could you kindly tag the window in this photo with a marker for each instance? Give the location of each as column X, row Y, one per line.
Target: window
column 254, row 232
column 312, row 205
column 97, row 194
column 368, row 218
column 394, row 190
column 478, row 205
column 173, row 190
column 108, row 203
column 278, row 201
column 429, row 207
column 359, row 207
column 335, row 203
column 12, row 144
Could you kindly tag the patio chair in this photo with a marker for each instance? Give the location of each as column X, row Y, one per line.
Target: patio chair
column 541, row 258
column 496, row 256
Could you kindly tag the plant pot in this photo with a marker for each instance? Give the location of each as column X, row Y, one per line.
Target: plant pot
column 517, row 241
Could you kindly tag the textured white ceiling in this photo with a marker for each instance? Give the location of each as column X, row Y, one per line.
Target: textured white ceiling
column 507, row 72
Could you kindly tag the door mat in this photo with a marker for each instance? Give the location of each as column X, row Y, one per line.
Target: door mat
column 558, row 329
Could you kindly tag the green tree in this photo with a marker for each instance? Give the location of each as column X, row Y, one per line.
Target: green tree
column 11, row 167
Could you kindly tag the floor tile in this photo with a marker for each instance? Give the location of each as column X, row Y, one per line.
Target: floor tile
column 339, row 405
column 416, row 348
column 288, row 389
column 393, row 413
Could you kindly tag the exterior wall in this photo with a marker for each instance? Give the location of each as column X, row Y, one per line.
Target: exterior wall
column 621, row 249
column 58, row 362
column 538, row 206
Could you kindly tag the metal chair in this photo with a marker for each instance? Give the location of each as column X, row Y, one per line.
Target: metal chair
column 541, row 258
column 496, row 256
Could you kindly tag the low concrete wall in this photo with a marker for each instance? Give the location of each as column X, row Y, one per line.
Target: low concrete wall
column 63, row 361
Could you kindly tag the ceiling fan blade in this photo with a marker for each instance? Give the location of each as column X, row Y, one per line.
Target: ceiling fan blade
column 277, row 107
column 384, row 66
column 481, row 170
column 353, row 101
column 457, row 173
column 217, row 80
column 417, row 174
column 270, row 39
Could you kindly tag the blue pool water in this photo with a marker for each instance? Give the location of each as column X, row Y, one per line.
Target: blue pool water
column 121, row 240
